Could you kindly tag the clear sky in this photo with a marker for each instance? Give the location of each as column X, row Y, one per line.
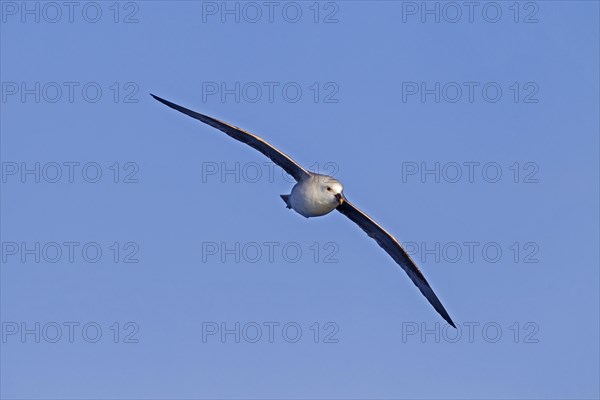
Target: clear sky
column 145, row 255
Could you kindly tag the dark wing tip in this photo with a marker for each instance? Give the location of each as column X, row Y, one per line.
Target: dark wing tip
column 430, row 295
column 196, row 115
column 449, row 320
column 435, row 302
column 165, row 102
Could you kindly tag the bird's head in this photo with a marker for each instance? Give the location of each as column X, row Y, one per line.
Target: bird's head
column 332, row 189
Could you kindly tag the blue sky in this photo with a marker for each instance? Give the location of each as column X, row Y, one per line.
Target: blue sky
column 145, row 255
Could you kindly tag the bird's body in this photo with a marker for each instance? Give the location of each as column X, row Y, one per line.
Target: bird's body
column 315, row 195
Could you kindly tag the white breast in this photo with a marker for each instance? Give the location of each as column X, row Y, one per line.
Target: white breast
column 309, row 200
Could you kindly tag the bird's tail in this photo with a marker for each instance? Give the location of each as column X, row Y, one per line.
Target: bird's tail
column 286, row 198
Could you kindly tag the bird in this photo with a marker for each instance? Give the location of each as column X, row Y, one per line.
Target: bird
column 315, row 195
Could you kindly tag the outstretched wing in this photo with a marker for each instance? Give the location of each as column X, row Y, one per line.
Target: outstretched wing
column 277, row 156
column 395, row 250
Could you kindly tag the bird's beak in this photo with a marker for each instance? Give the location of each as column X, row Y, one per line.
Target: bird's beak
column 340, row 198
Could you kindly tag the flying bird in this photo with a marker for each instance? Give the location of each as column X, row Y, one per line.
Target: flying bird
column 315, row 195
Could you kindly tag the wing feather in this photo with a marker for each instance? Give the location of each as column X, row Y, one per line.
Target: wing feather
column 396, row 251
column 277, row 156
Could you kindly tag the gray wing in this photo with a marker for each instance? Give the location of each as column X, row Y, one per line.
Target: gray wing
column 277, row 156
column 395, row 250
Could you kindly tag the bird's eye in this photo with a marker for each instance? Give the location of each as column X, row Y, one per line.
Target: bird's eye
column 328, row 189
